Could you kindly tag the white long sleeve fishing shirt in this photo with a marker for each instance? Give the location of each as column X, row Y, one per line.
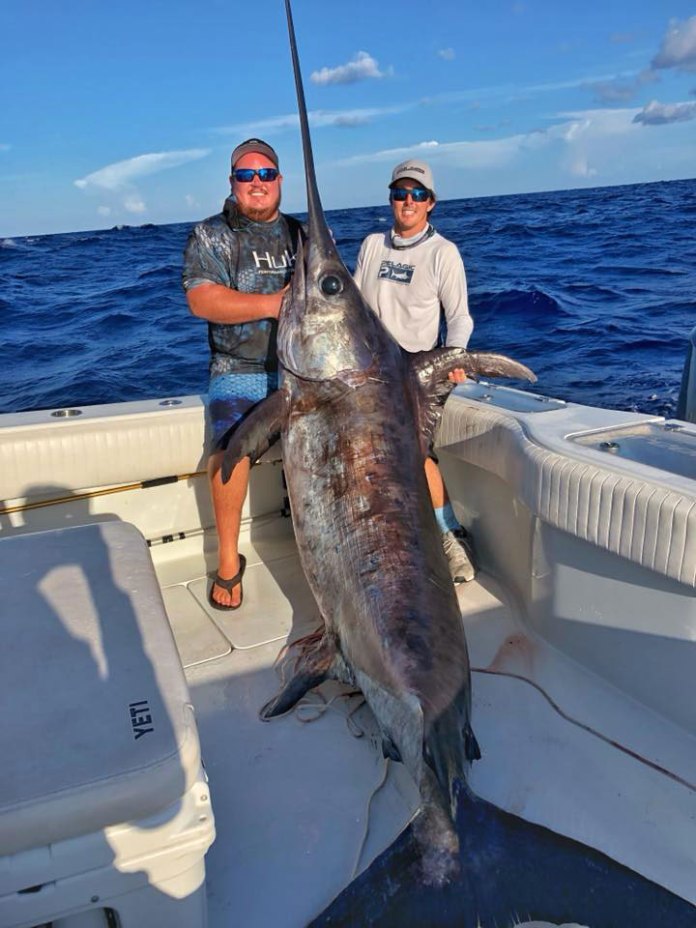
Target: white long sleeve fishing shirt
column 409, row 288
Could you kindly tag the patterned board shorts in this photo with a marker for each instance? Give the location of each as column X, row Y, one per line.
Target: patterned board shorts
column 231, row 397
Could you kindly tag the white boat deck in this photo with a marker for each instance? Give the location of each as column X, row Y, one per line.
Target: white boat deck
column 560, row 746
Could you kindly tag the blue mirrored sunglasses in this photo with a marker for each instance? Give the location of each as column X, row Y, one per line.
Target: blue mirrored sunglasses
column 246, row 175
column 417, row 194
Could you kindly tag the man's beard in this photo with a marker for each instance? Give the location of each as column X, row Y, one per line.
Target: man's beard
column 262, row 213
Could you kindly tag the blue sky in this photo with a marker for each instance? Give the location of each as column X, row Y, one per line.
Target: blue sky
column 126, row 112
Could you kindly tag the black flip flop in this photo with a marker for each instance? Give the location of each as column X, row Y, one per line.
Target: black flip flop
column 229, row 585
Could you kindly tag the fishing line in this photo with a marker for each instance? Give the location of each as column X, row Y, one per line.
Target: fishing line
column 315, row 705
column 366, row 818
column 310, row 711
column 588, row 728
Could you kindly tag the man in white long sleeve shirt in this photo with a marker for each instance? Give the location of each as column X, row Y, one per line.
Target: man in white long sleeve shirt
column 411, row 277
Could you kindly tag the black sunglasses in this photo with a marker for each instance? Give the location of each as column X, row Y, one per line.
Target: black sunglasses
column 417, row 194
column 246, row 175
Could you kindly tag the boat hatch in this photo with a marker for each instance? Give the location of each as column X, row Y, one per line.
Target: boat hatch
column 508, row 398
column 671, row 446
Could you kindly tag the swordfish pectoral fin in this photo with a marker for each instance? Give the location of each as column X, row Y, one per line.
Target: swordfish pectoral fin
column 430, row 370
column 257, row 432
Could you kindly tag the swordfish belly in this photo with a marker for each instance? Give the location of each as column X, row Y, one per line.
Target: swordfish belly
column 369, row 543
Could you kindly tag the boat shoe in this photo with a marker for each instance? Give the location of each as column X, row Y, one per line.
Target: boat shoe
column 460, row 555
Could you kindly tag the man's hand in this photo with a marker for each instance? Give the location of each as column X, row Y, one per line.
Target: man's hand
column 457, row 376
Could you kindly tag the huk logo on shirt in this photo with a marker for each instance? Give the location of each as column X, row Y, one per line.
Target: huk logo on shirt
column 401, row 273
column 266, row 263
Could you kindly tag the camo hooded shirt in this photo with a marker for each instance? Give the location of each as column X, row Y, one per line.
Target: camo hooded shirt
column 252, row 257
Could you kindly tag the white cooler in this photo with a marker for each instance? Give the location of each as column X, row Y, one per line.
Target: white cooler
column 105, row 815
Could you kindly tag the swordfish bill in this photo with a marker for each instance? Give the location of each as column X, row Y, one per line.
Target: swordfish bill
column 350, row 409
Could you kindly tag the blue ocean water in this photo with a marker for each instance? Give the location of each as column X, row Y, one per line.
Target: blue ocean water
column 593, row 289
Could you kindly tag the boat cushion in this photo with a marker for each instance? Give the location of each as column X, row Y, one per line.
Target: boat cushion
column 97, row 727
column 649, row 521
column 104, row 445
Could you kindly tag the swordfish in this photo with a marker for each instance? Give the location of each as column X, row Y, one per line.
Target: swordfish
column 356, row 415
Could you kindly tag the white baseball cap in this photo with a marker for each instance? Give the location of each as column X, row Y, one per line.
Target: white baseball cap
column 418, row 171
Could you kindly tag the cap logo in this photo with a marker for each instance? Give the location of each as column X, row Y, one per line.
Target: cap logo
column 413, row 167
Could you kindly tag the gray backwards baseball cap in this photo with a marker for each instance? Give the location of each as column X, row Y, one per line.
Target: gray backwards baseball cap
column 414, row 170
column 254, row 145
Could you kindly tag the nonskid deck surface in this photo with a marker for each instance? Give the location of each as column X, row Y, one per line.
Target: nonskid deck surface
column 290, row 797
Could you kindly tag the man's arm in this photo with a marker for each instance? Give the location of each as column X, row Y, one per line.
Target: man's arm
column 217, row 303
column 210, row 291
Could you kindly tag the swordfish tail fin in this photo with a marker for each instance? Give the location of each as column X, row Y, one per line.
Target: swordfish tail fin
column 430, row 370
column 487, row 364
column 432, row 367
column 511, row 872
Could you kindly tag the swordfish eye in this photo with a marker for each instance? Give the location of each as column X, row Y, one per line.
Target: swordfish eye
column 330, row 285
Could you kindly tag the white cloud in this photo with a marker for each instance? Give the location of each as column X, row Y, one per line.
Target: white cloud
column 121, row 174
column 447, row 54
column 621, row 90
column 594, row 147
column 317, row 119
column 262, row 127
column 134, row 204
column 578, row 167
column 659, row 114
column 362, row 67
column 473, row 155
column 511, row 93
column 678, row 49
column 355, row 117
column 576, row 145
column 117, row 180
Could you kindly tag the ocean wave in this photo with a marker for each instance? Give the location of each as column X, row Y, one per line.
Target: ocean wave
column 163, row 272
column 515, row 230
column 587, row 290
column 643, row 269
column 515, row 302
